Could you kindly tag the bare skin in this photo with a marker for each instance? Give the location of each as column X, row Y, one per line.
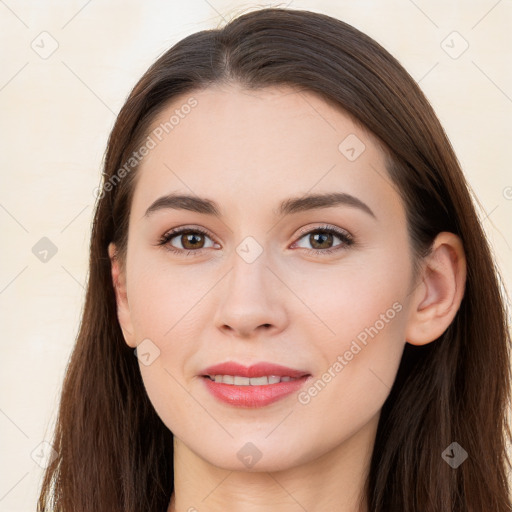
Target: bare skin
column 248, row 151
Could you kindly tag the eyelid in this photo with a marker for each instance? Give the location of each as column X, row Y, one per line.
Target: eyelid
column 327, row 227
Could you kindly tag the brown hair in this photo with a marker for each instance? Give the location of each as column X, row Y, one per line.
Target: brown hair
column 114, row 452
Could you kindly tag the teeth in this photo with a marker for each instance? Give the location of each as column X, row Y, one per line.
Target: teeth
column 252, row 381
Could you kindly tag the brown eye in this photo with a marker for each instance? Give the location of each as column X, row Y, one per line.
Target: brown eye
column 192, row 240
column 321, row 240
column 181, row 240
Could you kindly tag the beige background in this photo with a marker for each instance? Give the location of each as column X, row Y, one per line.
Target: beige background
column 58, row 108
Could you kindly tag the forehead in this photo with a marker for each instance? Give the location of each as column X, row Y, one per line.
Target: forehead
column 247, row 147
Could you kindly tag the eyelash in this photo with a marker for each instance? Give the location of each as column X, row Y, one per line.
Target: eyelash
column 346, row 239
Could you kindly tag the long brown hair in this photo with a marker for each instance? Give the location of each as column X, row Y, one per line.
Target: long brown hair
column 113, row 451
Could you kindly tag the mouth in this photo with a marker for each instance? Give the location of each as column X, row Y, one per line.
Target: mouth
column 237, row 380
column 253, row 386
column 270, row 371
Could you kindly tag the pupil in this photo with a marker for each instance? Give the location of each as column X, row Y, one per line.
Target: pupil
column 326, row 236
column 192, row 236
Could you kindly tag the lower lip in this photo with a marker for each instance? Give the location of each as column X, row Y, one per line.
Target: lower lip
column 253, row 396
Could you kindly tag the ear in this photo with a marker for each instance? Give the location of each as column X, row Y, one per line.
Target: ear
column 123, row 310
column 437, row 299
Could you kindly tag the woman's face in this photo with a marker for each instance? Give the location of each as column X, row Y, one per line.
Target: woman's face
column 267, row 282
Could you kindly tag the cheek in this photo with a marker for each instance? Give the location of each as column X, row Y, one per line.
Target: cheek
column 162, row 296
column 361, row 293
column 162, row 302
column 167, row 307
column 359, row 365
column 361, row 337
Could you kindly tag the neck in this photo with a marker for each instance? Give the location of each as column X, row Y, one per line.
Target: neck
column 333, row 481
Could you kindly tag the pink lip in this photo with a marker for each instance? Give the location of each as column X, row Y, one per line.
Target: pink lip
column 256, row 370
column 253, row 396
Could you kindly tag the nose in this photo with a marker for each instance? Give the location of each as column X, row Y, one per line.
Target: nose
column 251, row 299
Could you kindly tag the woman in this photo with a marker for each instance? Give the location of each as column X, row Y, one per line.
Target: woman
column 285, row 240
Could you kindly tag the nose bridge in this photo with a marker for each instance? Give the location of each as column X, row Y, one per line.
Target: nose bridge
column 249, row 295
column 249, row 269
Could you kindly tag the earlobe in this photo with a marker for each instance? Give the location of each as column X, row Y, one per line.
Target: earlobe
column 437, row 300
column 119, row 283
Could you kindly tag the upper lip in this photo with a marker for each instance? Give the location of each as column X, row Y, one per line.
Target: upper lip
column 256, row 370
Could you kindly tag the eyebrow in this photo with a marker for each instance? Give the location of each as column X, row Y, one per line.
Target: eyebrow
column 287, row 207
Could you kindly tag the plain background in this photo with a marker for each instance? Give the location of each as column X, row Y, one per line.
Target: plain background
column 67, row 68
